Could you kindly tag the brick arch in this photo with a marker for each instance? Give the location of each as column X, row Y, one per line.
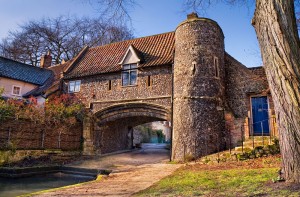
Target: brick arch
column 128, row 110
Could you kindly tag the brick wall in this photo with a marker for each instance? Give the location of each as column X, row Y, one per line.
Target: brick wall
column 24, row 134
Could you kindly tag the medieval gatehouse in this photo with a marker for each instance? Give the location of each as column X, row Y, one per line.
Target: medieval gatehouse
column 184, row 77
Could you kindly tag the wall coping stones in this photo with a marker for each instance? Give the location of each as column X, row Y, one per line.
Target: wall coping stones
column 31, row 171
column 191, row 20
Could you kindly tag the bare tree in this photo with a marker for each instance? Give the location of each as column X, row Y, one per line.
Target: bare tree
column 117, row 11
column 64, row 37
column 276, row 29
column 22, row 46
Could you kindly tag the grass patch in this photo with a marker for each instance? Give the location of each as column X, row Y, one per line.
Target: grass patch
column 233, row 179
column 218, row 182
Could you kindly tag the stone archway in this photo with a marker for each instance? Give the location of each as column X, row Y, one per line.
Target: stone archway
column 108, row 129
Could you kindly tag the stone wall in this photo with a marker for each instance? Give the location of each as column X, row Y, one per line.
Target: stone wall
column 112, row 135
column 95, row 89
column 235, row 128
column 116, row 135
column 26, row 135
column 198, row 119
column 241, row 84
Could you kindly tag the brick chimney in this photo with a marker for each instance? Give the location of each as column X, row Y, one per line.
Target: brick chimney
column 46, row 60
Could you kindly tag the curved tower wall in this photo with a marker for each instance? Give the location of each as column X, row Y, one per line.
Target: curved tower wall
column 198, row 115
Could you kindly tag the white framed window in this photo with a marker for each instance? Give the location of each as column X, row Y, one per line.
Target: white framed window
column 129, row 74
column 16, row 90
column 74, row 86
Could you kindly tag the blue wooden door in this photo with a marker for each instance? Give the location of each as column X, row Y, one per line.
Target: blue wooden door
column 260, row 115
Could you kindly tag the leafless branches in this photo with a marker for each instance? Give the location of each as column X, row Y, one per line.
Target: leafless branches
column 116, row 11
column 202, row 5
column 64, row 37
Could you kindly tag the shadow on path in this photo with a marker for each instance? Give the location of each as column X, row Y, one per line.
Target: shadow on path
column 148, row 154
column 132, row 172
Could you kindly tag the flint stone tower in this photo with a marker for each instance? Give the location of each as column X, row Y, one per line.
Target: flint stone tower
column 198, row 100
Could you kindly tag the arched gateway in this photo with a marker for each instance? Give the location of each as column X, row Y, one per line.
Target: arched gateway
column 110, row 129
column 139, row 111
column 184, row 77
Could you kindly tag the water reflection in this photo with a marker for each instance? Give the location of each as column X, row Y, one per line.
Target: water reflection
column 18, row 186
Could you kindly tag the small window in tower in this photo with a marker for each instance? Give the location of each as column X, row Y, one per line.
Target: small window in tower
column 193, row 67
column 109, row 84
column 216, row 65
column 149, row 81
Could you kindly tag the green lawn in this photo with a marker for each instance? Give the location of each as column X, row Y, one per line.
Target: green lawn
column 252, row 178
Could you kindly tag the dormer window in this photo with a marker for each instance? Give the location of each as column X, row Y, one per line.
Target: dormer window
column 129, row 74
column 131, row 60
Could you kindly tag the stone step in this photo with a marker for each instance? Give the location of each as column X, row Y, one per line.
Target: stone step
column 242, row 149
column 257, row 143
column 248, row 145
column 257, row 138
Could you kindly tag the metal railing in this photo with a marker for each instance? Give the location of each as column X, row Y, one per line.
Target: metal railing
column 271, row 134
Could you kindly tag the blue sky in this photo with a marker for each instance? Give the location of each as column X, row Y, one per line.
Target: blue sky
column 149, row 17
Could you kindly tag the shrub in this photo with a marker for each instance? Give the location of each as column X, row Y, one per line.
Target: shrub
column 260, row 151
column 7, row 110
column 65, row 109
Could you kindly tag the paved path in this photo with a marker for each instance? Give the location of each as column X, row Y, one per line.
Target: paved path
column 132, row 172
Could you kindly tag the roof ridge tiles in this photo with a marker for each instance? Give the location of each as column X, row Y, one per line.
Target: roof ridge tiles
column 155, row 50
column 113, row 43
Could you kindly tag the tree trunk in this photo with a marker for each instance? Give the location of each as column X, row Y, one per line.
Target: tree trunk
column 275, row 25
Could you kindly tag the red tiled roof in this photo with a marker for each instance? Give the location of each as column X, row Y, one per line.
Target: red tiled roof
column 59, row 69
column 155, row 50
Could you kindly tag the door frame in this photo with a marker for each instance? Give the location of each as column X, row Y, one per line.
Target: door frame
column 251, row 114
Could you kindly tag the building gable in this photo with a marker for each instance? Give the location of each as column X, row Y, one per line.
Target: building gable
column 131, row 56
